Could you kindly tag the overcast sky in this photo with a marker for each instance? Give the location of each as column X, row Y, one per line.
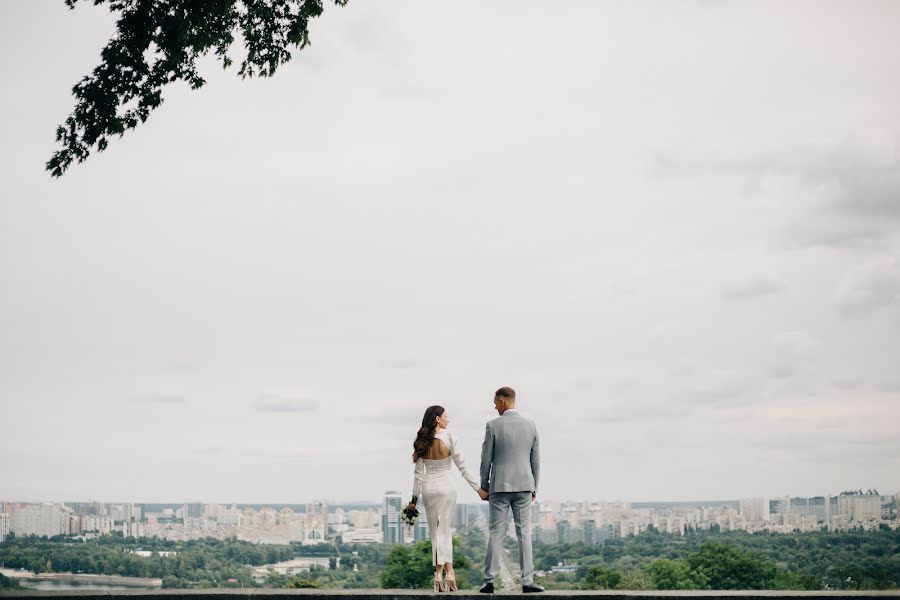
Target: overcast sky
column 673, row 228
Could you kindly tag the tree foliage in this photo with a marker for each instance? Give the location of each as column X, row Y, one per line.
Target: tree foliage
column 733, row 560
column 726, row 567
column 158, row 42
column 598, row 577
column 668, row 574
column 410, row 567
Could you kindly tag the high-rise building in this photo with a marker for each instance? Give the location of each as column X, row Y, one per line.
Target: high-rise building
column 780, row 506
column 588, row 527
column 193, row 510
column 566, row 534
column 420, row 530
column 546, row 536
column 391, row 525
column 605, row 532
column 232, row 516
column 4, row 527
column 124, row 511
column 317, row 515
column 546, row 517
column 859, row 506
column 133, row 528
column 89, row 509
column 102, row 525
column 818, row 506
column 461, row 518
column 47, row 519
column 754, row 510
column 364, row 519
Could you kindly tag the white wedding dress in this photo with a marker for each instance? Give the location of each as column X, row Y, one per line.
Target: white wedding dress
column 434, row 484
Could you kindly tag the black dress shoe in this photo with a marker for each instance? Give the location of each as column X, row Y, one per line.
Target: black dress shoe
column 487, row 588
column 532, row 589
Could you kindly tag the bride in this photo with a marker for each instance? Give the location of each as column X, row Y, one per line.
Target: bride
column 432, row 452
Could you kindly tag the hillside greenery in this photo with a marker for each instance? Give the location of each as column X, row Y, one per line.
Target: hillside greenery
column 652, row 560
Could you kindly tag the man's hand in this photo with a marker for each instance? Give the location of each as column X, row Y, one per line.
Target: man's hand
column 483, row 494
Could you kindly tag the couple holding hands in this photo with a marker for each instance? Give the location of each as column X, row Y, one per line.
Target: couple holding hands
column 510, row 468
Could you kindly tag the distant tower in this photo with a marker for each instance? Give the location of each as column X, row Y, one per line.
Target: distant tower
column 461, row 517
column 317, row 515
column 754, row 510
column 193, row 510
column 391, row 525
column 4, row 526
column 420, row 531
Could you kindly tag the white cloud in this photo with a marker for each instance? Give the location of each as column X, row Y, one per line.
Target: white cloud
column 793, row 353
column 870, row 286
column 852, row 182
column 278, row 403
column 161, row 399
column 752, row 285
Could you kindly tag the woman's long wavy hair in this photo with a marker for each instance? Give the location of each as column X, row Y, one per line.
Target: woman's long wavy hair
column 425, row 436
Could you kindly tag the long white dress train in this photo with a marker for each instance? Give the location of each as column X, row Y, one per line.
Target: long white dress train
column 434, row 483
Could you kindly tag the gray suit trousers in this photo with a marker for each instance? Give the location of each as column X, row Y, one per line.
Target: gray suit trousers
column 500, row 503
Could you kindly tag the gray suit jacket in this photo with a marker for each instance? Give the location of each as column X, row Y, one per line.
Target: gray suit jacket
column 510, row 455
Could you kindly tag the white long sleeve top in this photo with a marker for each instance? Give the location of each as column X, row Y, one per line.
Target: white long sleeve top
column 452, row 444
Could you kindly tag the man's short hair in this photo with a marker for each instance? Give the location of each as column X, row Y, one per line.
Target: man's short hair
column 506, row 392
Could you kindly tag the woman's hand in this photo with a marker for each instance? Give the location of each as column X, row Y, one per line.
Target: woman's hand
column 482, row 494
column 411, row 506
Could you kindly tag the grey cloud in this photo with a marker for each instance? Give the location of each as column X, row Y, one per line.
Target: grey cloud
column 856, row 181
column 861, row 173
column 713, row 390
column 215, row 447
column 621, row 385
column 159, row 399
column 276, row 403
column 847, row 384
column 387, row 418
column 281, row 455
column 869, row 287
column 826, row 229
column 719, row 388
column 821, row 444
column 370, row 31
column 402, row 363
column 890, row 387
column 180, row 368
column 792, row 353
column 752, row 286
column 640, row 410
column 405, row 91
column 661, row 331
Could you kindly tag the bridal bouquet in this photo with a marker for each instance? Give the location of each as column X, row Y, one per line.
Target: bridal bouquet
column 409, row 516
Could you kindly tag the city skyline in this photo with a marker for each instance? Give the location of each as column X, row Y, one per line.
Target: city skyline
column 591, row 522
column 331, row 502
column 672, row 228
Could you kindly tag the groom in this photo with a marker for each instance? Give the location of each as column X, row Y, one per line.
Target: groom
column 510, row 467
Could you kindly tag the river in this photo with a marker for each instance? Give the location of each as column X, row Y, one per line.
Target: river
column 69, row 581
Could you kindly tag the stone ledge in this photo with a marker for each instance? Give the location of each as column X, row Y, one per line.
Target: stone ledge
column 313, row 594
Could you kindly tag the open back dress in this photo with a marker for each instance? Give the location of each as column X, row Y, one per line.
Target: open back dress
column 434, row 483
